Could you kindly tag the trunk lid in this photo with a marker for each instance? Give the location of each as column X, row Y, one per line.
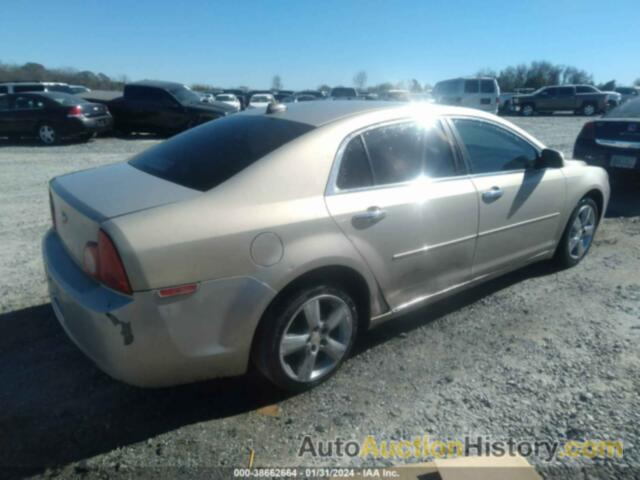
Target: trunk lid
column 624, row 130
column 94, row 110
column 82, row 201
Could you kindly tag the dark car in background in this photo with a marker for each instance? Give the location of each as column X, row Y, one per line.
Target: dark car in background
column 580, row 99
column 613, row 141
column 165, row 108
column 51, row 117
column 343, row 93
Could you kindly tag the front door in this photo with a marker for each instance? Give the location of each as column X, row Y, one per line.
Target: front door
column 519, row 205
column 399, row 198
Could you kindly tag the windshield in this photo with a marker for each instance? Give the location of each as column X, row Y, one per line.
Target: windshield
column 630, row 109
column 204, row 157
column 184, row 95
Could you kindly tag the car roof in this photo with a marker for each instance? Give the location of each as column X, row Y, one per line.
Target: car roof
column 324, row 112
column 156, row 84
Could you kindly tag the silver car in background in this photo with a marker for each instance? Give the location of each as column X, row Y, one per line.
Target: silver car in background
column 276, row 237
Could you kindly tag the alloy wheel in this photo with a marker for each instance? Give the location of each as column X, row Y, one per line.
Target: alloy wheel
column 582, row 230
column 527, row 110
column 589, row 110
column 47, row 134
column 316, row 338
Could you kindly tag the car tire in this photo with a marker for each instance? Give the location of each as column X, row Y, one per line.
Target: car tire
column 47, row 134
column 577, row 237
column 527, row 110
column 305, row 336
column 589, row 109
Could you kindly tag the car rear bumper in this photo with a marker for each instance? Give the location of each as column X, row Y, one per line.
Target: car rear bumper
column 148, row 341
column 84, row 125
column 611, row 159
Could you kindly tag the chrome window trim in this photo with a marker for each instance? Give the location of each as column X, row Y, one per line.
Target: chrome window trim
column 332, row 184
column 617, row 143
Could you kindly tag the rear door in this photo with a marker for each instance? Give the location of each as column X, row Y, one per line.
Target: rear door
column 519, row 206
column 471, row 93
column 565, row 98
column 399, row 198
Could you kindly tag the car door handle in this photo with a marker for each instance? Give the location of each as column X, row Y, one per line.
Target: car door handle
column 492, row 194
column 369, row 217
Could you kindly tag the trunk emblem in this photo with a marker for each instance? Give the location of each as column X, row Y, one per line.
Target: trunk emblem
column 64, row 217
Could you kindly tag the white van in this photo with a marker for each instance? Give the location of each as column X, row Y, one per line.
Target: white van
column 482, row 93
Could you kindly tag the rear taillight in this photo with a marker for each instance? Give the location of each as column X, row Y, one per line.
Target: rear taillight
column 75, row 112
column 102, row 262
column 588, row 131
column 53, row 211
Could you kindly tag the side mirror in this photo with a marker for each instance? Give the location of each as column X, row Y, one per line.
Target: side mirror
column 549, row 158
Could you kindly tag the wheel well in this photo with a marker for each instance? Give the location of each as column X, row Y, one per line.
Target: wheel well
column 344, row 277
column 596, row 196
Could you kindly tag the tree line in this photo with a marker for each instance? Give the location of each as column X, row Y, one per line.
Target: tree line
column 535, row 75
column 35, row 72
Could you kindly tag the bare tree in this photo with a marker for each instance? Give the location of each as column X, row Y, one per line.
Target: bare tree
column 276, row 82
column 360, row 79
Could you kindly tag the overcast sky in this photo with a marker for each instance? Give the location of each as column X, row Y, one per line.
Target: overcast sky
column 232, row 43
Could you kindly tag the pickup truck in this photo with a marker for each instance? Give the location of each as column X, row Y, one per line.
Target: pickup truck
column 581, row 99
column 164, row 108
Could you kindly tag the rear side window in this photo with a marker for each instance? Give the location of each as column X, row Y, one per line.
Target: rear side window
column 355, row 171
column 487, row 86
column 494, row 149
column 204, row 157
column 28, row 88
column 471, row 86
column 586, row 89
column 395, row 152
column 439, row 160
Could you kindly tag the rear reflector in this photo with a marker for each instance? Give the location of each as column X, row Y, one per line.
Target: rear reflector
column 179, row 290
column 110, row 266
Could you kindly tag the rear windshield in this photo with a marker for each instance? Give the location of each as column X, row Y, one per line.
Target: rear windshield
column 630, row 109
column 204, row 157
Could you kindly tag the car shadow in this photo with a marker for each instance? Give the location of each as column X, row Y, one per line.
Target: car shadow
column 625, row 198
column 56, row 407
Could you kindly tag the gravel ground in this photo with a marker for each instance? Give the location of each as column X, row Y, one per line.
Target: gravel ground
column 538, row 354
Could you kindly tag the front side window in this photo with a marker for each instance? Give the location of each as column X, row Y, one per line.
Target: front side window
column 395, row 152
column 27, row 103
column 492, row 148
column 565, row 91
column 204, row 157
